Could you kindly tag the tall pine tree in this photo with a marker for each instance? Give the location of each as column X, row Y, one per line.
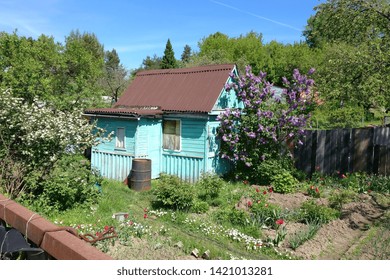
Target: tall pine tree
column 168, row 61
column 186, row 55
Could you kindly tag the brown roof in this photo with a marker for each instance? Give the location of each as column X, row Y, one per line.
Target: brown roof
column 183, row 90
column 120, row 111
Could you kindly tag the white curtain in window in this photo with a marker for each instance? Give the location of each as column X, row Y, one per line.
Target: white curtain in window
column 120, row 138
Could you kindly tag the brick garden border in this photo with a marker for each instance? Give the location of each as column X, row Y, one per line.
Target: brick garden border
column 57, row 241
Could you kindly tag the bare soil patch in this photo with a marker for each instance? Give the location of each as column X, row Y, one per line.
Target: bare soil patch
column 339, row 239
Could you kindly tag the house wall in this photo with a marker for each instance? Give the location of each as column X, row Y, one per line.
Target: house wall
column 148, row 143
column 226, row 99
column 188, row 163
column 142, row 140
column 214, row 162
column 199, row 149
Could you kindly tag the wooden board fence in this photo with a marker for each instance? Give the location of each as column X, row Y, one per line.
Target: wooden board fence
column 345, row 150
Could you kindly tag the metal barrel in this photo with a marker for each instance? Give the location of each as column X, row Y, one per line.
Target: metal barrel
column 141, row 174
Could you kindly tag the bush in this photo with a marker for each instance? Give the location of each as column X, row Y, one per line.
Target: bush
column 268, row 169
column 173, row 193
column 284, row 182
column 311, row 212
column 232, row 216
column 209, row 186
column 200, row 207
column 259, row 130
column 71, row 183
column 264, row 172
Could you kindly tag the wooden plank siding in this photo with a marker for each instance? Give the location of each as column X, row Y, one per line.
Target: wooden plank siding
column 189, row 162
column 110, row 125
column 142, row 140
column 345, row 150
column 215, row 163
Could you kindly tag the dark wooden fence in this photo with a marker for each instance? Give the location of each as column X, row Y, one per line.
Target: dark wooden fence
column 345, row 150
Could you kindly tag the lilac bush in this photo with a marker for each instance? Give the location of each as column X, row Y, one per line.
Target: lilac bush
column 262, row 129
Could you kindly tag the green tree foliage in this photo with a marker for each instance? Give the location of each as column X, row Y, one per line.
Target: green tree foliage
column 277, row 59
column 150, row 63
column 354, row 75
column 111, row 59
column 331, row 115
column 47, row 85
column 186, row 55
column 353, row 36
column 350, row 21
column 168, row 60
column 115, row 75
column 216, row 47
column 63, row 75
column 32, row 68
column 84, row 64
column 282, row 59
column 244, row 50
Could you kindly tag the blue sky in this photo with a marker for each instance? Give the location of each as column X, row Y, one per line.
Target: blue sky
column 140, row 28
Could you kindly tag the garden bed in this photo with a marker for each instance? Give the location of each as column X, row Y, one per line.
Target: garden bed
column 239, row 223
column 340, row 238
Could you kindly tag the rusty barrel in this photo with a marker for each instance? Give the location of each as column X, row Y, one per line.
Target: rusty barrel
column 140, row 174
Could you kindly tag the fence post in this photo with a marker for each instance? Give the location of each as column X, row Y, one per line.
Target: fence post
column 362, row 145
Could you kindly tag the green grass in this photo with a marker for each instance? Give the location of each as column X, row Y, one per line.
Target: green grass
column 200, row 231
column 223, row 230
column 115, row 197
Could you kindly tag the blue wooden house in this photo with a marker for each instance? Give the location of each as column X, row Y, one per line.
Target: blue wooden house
column 167, row 116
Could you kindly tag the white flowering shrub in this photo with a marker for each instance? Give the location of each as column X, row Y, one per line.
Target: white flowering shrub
column 33, row 137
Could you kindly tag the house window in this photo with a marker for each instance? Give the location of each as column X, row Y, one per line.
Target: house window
column 171, row 135
column 120, row 138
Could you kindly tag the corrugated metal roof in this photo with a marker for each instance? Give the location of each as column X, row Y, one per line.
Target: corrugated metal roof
column 193, row 89
column 119, row 111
